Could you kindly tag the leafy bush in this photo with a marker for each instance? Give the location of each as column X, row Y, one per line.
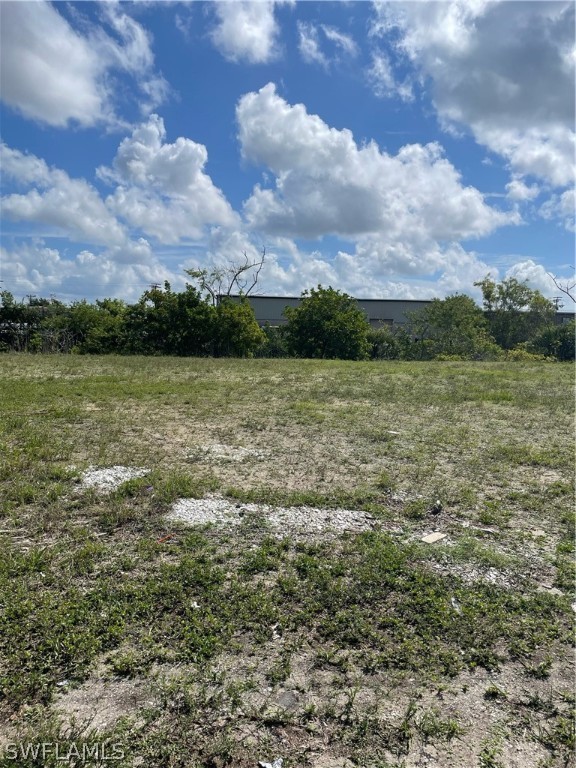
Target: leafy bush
column 167, row 323
column 384, row 344
column 522, row 355
column 454, row 328
column 327, row 324
column 276, row 343
column 556, row 341
column 236, row 332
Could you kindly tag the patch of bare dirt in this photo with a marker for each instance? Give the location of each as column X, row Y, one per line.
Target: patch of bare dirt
column 99, row 704
column 223, row 452
column 317, row 715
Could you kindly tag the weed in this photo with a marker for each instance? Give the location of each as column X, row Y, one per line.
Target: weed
column 385, row 481
column 493, row 692
column 88, row 578
column 128, row 663
column 417, row 510
column 489, row 756
column 540, row 671
column 493, row 514
column 523, row 454
column 279, row 671
column 431, row 725
column 470, row 549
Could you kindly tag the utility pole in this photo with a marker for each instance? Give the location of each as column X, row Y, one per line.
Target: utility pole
column 557, row 302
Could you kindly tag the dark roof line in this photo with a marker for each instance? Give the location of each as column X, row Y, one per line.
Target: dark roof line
column 297, row 298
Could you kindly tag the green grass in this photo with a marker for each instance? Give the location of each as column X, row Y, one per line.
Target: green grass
column 103, row 587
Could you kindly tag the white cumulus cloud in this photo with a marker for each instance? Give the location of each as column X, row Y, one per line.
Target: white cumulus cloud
column 246, row 31
column 161, row 188
column 55, row 74
column 34, row 267
column 561, row 208
column 519, row 191
column 534, row 274
column 404, row 214
column 72, row 206
column 504, row 69
column 160, row 191
column 327, row 184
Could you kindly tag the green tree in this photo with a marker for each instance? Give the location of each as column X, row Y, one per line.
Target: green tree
column 31, row 327
column 327, row 324
column 453, row 327
column 515, row 312
column 236, row 332
column 556, row 341
column 164, row 322
column 105, row 332
column 11, row 322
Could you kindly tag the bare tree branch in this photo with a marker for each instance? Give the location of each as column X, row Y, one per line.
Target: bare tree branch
column 236, row 278
column 565, row 286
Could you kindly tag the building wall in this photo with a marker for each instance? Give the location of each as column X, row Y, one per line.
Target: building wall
column 564, row 317
column 269, row 309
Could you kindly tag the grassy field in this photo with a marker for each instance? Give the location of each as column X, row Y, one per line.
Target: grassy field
column 220, row 646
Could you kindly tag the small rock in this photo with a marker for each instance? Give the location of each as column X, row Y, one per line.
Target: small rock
column 549, row 590
column 287, row 700
column 432, row 538
column 274, row 764
column 539, row 532
column 555, row 591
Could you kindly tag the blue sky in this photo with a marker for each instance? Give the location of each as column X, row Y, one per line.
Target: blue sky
column 400, row 150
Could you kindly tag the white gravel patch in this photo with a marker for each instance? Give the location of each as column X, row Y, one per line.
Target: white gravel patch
column 309, row 520
column 110, row 478
column 226, row 452
column 472, row 575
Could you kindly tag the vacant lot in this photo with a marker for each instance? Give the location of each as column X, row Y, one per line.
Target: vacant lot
column 297, row 614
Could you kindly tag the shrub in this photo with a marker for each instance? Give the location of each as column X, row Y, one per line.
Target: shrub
column 327, row 324
column 236, row 332
column 276, row 343
column 522, row 355
column 384, row 344
column 556, row 341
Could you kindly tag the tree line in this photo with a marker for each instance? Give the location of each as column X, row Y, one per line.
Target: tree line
column 516, row 322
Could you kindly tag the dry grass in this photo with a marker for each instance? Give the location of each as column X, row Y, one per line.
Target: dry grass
column 225, row 647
